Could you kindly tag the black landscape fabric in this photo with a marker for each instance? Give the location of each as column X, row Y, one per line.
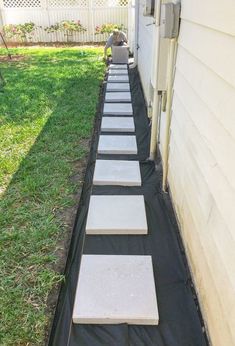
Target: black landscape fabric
column 180, row 322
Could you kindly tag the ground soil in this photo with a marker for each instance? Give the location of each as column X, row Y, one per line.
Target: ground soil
column 54, row 44
column 11, row 58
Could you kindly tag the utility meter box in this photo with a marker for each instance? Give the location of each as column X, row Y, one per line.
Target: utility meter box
column 169, row 20
column 162, row 65
column 159, row 75
column 159, row 69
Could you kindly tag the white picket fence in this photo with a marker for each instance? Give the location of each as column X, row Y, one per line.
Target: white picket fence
column 91, row 13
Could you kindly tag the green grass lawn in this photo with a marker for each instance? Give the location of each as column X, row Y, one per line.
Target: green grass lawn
column 46, row 119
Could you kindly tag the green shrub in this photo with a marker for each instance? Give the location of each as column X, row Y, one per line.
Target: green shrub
column 108, row 28
column 66, row 25
column 21, row 32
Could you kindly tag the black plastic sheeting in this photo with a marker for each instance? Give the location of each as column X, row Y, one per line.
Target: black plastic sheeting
column 180, row 319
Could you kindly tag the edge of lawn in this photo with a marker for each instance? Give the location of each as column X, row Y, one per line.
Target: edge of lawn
column 20, row 199
column 72, row 215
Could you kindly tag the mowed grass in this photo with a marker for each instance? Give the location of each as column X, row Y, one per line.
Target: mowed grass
column 46, row 118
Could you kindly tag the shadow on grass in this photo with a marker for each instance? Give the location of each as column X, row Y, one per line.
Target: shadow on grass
column 33, row 233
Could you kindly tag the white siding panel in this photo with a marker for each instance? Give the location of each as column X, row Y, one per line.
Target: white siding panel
column 204, row 278
column 201, row 161
column 209, row 209
column 207, row 258
column 197, row 209
column 216, row 138
column 215, row 49
column 215, row 14
column 215, row 93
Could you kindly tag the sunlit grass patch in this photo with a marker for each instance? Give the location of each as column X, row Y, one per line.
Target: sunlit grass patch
column 46, row 118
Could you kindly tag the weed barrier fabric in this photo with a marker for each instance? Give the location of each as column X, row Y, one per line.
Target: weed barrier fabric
column 180, row 319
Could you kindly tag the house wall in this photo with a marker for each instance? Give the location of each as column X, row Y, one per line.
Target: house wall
column 202, row 157
column 201, row 172
column 145, row 50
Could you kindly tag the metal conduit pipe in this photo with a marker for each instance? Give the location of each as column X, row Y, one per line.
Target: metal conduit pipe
column 170, row 79
column 155, row 125
column 156, row 109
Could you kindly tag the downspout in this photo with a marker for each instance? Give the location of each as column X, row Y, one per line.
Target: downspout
column 170, row 80
column 157, row 94
column 136, row 35
column 155, row 124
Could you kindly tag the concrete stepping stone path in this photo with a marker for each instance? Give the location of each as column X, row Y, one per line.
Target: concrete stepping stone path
column 118, row 109
column 118, row 79
column 118, row 72
column 117, row 172
column 118, row 66
column 118, row 87
column 114, row 144
column 118, row 97
column 116, row 289
column 117, row 124
column 116, row 215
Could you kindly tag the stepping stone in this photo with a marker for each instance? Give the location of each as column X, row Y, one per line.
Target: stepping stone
column 115, row 144
column 114, row 289
column 117, row 124
column 116, row 172
column 118, row 97
column 116, row 215
column 118, row 66
column 118, row 72
column 118, row 79
column 118, row 87
column 118, row 109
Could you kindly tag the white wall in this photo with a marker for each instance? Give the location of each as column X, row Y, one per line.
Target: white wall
column 202, row 157
column 145, row 51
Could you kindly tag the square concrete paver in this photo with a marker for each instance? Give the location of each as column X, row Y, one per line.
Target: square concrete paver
column 118, row 97
column 118, row 87
column 116, row 144
column 118, row 79
column 114, row 289
column 117, row 124
column 118, row 66
column 116, row 215
column 118, row 109
column 118, row 72
column 117, row 172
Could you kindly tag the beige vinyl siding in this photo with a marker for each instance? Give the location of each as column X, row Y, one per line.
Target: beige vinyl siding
column 202, row 157
column 215, row 14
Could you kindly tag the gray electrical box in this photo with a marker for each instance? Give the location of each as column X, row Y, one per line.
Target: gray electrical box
column 169, row 20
